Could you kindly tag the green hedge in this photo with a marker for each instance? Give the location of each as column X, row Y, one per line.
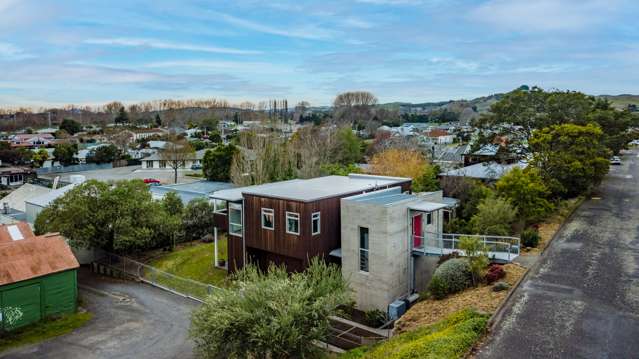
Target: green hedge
column 449, row 338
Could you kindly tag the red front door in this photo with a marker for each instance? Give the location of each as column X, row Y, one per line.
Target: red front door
column 417, row 231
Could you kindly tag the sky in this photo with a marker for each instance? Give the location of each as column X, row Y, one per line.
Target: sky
column 92, row 52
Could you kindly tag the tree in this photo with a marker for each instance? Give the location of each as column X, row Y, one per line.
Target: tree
column 176, row 152
column 70, row 126
column 198, row 219
column 405, row 163
column 355, row 106
column 172, row 204
column 104, row 154
column 277, row 314
column 216, row 164
column 526, row 190
column 477, row 255
column 262, row 158
column 40, row 157
column 122, row 116
column 158, row 120
column 13, row 155
column 494, row 216
column 120, row 217
column 65, row 153
column 348, row 148
column 571, row 159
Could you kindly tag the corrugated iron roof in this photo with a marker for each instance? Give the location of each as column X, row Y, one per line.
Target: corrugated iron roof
column 34, row 257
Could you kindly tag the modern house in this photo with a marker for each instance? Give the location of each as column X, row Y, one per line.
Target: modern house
column 35, row 140
column 386, row 239
column 38, row 276
column 289, row 222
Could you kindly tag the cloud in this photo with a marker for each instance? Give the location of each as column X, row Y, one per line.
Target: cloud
column 390, row 2
column 310, row 32
column 11, row 52
column 244, row 67
column 159, row 44
column 543, row 15
column 357, row 23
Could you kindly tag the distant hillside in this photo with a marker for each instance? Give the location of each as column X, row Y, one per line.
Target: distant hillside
column 621, row 102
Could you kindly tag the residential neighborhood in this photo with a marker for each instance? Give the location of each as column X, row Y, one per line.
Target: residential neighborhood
column 343, row 180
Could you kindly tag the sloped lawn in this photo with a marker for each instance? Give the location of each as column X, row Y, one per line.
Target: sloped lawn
column 450, row 338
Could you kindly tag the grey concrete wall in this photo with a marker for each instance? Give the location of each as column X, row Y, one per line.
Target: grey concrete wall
column 424, row 268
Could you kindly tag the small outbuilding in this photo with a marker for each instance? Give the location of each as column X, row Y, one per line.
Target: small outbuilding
column 38, row 276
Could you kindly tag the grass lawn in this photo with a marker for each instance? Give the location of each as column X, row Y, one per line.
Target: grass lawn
column 43, row 330
column 450, row 338
column 194, row 261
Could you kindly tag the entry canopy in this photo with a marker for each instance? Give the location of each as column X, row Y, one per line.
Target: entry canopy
column 427, row 206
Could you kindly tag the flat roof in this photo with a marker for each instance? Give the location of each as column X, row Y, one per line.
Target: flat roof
column 190, row 191
column 425, row 206
column 484, row 170
column 307, row 190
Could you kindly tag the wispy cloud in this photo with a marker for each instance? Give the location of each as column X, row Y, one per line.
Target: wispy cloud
column 164, row 45
column 544, row 15
column 210, row 65
column 309, row 32
column 11, row 52
column 390, row 2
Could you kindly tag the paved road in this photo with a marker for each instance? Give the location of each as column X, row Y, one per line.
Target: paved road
column 133, row 321
column 582, row 301
column 165, row 176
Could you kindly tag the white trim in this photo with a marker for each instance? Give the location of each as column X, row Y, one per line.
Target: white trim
column 236, row 207
column 367, row 249
column 319, row 223
column 268, row 211
column 293, row 215
column 216, row 202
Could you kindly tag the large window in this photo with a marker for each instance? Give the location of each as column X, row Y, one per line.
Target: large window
column 235, row 219
column 162, row 164
column 219, row 206
column 315, row 223
column 149, row 164
column 363, row 249
column 268, row 218
column 292, row 223
column 429, row 218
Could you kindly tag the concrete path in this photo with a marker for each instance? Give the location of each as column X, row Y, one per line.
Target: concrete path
column 582, row 300
column 130, row 320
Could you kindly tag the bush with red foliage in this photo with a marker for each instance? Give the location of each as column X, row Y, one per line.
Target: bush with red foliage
column 495, row 273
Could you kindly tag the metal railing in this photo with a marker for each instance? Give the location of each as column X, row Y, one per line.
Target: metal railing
column 499, row 247
column 158, row 278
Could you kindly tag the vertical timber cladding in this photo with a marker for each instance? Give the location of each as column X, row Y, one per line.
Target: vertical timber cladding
column 40, row 297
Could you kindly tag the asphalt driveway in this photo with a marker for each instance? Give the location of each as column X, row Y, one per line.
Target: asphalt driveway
column 582, row 299
column 130, row 320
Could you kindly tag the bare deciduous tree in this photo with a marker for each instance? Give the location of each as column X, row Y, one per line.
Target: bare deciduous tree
column 355, row 106
column 176, row 152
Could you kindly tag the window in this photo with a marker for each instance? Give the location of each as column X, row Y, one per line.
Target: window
column 162, row 164
column 315, row 223
column 235, row 219
column 149, row 164
column 268, row 219
column 429, row 218
column 219, row 206
column 363, row 249
column 15, row 178
column 292, row 223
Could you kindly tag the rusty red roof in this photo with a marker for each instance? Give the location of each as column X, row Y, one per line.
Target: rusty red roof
column 33, row 257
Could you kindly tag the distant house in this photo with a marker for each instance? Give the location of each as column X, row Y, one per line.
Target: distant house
column 38, row 276
column 15, row 176
column 156, row 161
column 35, row 205
column 32, row 140
column 13, row 205
column 440, row 136
column 142, row 133
column 485, row 171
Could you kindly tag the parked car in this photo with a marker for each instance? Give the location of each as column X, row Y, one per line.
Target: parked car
column 196, row 166
column 152, row 181
column 634, row 143
column 615, row 160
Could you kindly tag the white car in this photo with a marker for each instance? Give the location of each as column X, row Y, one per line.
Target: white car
column 615, row 160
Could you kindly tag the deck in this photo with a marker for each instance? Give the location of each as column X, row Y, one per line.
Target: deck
column 499, row 248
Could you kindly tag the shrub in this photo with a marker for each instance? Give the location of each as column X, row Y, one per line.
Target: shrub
column 477, row 256
column 495, row 273
column 530, row 237
column 438, row 288
column 448, row 256
column 375, row 318
column 455, row 274
column 499, row 286
column 494, row 217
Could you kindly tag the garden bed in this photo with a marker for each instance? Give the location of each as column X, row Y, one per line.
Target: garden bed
column 482, row 298
column 551, row 225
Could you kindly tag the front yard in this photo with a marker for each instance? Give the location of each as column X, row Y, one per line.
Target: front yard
column 194, row 261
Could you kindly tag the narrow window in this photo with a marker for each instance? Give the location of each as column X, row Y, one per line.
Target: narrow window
column 149, row 164
column 235, row 219
column 316, row 224
column 219, row 206
column 292, row 223
column 162, row 164
column 268, row 218
column 429, row 218
column 363, row 249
